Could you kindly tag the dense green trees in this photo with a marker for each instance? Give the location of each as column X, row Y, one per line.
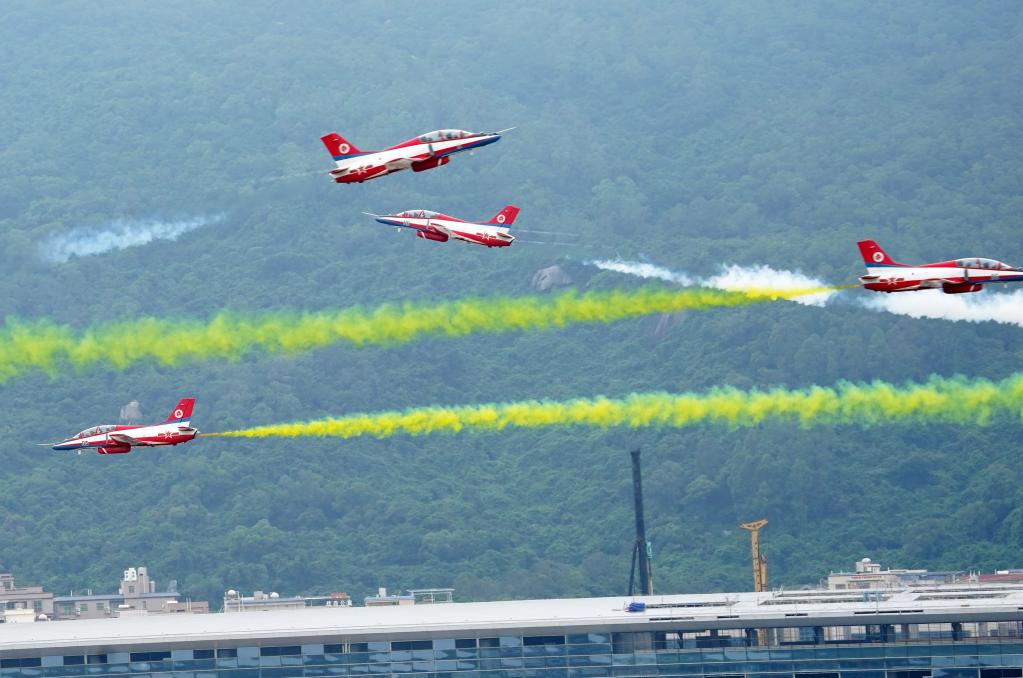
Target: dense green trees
column 696, row 133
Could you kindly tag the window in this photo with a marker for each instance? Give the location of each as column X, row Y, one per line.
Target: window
column 19, row 662
column 334, row 648
column 543, row 640
column 83, row 607
column 1001, row 673
column 131, row 589
column 227, row 652
column 149, row 656
column 465, row 643
column 412, row 645
column 74, row 660
column 97, row 659
column 202, row 654
column 280, row 650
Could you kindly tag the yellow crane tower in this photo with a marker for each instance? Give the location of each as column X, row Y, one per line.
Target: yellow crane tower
column 759, row 560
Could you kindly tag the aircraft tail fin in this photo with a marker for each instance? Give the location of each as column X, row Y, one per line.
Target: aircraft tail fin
column 338, row 147
column 181, row 412
column 873, row 255
column 505, row 217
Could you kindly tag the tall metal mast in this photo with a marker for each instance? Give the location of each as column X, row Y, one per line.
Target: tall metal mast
column 642, row 554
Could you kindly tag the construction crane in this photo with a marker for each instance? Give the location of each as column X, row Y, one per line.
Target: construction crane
column 759, row 560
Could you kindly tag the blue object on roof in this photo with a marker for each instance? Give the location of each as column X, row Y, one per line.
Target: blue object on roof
column 636, row 607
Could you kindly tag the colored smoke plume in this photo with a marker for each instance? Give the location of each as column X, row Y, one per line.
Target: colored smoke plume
column 731, row 277
column 49, row 347
column 735, row 277
column 84, row 241
column 954, row 400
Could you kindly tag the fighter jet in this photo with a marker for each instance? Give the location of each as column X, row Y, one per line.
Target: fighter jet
column 115, row 439
column 424, row 152
column 956, row 276
column 440, row 227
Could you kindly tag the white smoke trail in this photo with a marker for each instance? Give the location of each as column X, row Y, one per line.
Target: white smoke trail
column 986, row 306
column 84, row 241
column 731, row 277
column 642, row 270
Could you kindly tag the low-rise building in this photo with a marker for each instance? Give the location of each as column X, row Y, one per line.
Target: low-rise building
column 32, row 598
column 260, row 601
column 136, row 594
column 382, row 599
column 869, row 575
column 910, row 633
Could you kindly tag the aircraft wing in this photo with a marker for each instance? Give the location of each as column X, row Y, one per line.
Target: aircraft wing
column 440, row 229
column 940, row 282
column 122, row 439
column 399, row 164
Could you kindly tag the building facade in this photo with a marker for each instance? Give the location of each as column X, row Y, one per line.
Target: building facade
column 869, row 575
column 15, row 601
column 805, row 634
column 136, row 595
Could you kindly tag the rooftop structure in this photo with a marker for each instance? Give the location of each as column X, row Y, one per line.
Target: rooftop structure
column 260, row 601
column 14, row 599
column 869, row 575
column 926, row 632
column 382, row 598
column 431, row 596
column 136, row 595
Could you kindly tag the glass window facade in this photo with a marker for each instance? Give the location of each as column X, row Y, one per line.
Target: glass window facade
column 951, row 650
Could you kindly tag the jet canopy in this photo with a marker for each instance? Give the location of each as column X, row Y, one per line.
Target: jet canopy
column 96, row 430
column 445, row 135
column 990, row 264
column 418, row 214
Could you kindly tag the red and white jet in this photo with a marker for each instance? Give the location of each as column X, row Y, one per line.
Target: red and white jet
column 440, row 227
column 115, row 439
column 953, row 277
column 424, row 152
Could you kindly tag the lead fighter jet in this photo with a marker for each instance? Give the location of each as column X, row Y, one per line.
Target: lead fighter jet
column 956, row 276
column 115, row 439
column 424, row 152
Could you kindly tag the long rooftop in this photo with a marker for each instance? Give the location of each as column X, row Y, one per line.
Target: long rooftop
column 528, row 617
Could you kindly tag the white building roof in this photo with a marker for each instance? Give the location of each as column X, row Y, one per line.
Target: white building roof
column 529, row 617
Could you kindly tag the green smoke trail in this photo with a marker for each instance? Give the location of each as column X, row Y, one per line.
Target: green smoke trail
column 956, row 400
column 228, row 335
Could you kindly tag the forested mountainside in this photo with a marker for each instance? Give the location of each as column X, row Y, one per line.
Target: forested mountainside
column 691, row 135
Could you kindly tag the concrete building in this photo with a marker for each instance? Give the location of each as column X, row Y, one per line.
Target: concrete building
column 264, row 602
column 383, row 599
column 15, row 598
column 922, row 633
column 136, row 595
column 869, row 575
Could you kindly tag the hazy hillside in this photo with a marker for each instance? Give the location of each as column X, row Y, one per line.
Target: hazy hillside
column 695, row 134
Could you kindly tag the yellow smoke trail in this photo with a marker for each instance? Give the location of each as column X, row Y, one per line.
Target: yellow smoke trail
column 49, row 347
column 955, row 400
